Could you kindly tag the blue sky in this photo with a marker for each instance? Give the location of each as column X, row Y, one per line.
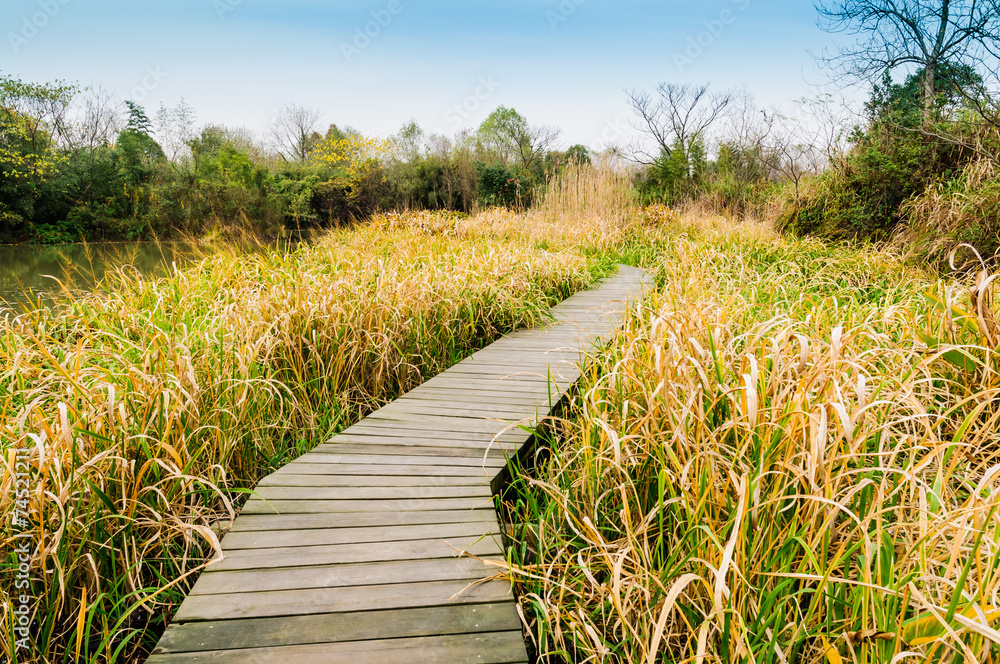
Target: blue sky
column 445, row 64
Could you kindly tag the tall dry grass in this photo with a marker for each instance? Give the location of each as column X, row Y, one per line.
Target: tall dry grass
column 963, row 210
column 145, row 410
column 790, row 453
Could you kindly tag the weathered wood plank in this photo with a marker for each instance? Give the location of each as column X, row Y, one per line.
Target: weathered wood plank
column 438, row 394
column 272, row 492
column 425, row 429
column 388, row 469
column 484, row 648
column 315, row 537
column 347, row 576
column 452, row 428
column 368, row 552
column 337, row 600
column 257, row 506
column 399, row 460
column 391, row 442
column 475, row 447
column 340, row 627
column 441, row 423
column 555, row 385
column 494, row 383
column 406, row 406
column 289, row 479
column 389, row 445
column 271, row 522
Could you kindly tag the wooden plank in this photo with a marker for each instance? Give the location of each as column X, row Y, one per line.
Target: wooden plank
column 555, row 385
column 336, row 600
column 389, row 431
column 458, row 430
column 391, row 442
column 399, row 460
column 347, row 576
column 459, row 408
column 511, row 356
column 424, row 429
column 539, row 378
column 389, row 445
column 493, row 384
column 321, row 536
column 485, row 648
column 342, row 627
column 388, row 469
column 257, row 506
column 273, row 492
column 483, row 399
column 436, row 394
column 366, row 552
column 408, row 406
column 533, row 369
column 440, row 423
column 289, row 479
column 270, row 523
column 424, row 432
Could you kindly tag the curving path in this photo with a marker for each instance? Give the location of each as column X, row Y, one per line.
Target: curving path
column 350, row 553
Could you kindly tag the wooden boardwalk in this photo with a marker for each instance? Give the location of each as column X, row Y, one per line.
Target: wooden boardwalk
column 351, row 552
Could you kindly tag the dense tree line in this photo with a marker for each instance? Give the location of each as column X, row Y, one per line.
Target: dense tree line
column 74, row 164
column 918, row 162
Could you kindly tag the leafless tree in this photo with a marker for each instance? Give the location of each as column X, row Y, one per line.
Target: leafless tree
column 675, row 115
column 175, row 127
column 791, row 157
column 917, row 33
column 97, row 120
column 293, row 131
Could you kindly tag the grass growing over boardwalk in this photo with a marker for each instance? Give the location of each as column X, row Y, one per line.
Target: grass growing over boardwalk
column 146, row 410
column 789, row 454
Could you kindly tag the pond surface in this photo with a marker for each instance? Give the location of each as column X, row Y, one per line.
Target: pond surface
column 31, row 271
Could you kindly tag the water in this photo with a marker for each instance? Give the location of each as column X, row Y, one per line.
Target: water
column 30, row 271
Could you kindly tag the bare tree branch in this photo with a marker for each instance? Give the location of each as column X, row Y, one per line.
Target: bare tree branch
column 677, row 116
column 292, row 131
column 923, row 33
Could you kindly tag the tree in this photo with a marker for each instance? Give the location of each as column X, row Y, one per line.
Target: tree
column 921, row 34
column 175, row 129
column 409, row 142
column 97, row 123
column 32, row 118
column 138, row 154
column 295, row 131
column 675, row 117
column 509, row 136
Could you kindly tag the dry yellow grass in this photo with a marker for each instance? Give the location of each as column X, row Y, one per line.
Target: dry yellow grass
column 143, row 411
column 790, row 453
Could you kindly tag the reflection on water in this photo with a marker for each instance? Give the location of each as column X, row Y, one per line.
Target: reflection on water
column 30, row 271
